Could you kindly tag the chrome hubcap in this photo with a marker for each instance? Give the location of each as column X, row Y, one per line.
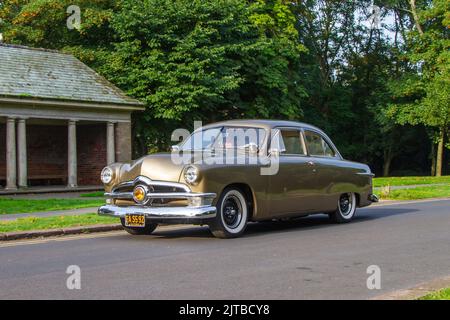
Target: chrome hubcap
column 345, row 204
column 232, row 212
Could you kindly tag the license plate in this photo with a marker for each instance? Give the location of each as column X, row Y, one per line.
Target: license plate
column 134, row 220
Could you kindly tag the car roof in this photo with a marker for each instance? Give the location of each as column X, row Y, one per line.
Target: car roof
column 267, row 124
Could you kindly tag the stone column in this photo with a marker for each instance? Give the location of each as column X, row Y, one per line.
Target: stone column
column 22, row 153
column 110, row 143
column 11, row 165
column 72, row 154
column 123, row 141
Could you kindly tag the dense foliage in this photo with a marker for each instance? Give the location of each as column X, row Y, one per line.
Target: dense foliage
column 381, row 92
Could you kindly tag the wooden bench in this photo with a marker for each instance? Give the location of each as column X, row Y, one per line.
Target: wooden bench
column 47, row 176
column 42, row 176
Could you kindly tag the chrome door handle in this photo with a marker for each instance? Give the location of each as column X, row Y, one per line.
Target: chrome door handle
column 311, row 163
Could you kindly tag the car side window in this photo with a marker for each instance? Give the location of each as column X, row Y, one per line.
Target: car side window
column 317, row 146
column 292, row 143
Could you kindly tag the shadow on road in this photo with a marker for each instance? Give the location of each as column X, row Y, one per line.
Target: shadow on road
column 306, row 223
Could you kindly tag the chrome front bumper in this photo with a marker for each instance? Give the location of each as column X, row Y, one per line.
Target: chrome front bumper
column 199, row 205
column 160, row 213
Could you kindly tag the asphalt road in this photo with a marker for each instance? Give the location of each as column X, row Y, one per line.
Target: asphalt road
column 306, row 259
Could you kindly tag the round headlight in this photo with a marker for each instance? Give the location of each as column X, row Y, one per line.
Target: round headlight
column 191, row 174
column 139, row 194
column 107, row 175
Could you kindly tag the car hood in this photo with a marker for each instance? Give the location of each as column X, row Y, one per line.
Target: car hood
column 158, row 166
column 161, row 166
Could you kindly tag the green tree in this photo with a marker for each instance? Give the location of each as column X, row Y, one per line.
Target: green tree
column 43, row 23
column 314, row 60
column 207, row 60
column 423, row 96
column 204, row 60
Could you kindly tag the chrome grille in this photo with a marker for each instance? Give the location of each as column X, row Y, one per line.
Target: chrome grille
column 162, row 192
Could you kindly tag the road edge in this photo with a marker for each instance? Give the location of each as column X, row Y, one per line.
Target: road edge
column 8, row 236
column 417, row 291
column 382, row 203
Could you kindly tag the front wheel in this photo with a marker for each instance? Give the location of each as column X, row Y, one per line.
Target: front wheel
column 346, row 207
column 148, row 229
column 232, row 214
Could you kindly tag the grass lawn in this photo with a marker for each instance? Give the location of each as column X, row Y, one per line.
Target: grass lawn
column 36, row 223
column 405, row 181
column 97, row 194
column 417, row 193
column 443, row 294
column 8, row 206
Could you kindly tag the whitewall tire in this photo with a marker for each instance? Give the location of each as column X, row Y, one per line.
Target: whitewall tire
column 232, row 214
column 346, row 208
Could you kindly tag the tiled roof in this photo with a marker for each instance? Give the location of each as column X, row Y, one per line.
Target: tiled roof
column 49, row 74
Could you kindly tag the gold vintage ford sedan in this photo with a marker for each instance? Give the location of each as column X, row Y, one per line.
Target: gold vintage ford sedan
column 229, row 173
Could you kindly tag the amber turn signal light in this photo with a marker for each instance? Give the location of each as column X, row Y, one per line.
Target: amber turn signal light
column 139, row 194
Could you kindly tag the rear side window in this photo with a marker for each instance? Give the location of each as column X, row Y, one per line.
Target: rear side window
column 291, row 142
column 317, row 146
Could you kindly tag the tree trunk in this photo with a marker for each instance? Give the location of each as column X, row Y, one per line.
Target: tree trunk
column 440, row 153
column 433, row 158
column 386, row 167
column 412, row 3
column 387, row 161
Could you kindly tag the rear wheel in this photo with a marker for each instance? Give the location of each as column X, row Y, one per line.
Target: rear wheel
column 346, row 207
column 232, row 214
column 148, row 229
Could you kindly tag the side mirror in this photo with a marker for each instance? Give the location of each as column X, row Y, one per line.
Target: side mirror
column 274, row 152
column 175, row 148
column 252, row 148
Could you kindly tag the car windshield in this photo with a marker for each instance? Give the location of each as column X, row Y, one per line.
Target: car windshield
column 224, row 138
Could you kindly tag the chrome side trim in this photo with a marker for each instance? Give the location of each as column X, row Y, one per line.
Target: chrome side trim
column 204, row 212
column 119, row 195
column 369, row 174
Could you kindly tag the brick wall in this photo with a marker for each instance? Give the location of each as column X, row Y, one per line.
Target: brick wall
column 47, row 154
column 2, row 154
column 91, row 149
